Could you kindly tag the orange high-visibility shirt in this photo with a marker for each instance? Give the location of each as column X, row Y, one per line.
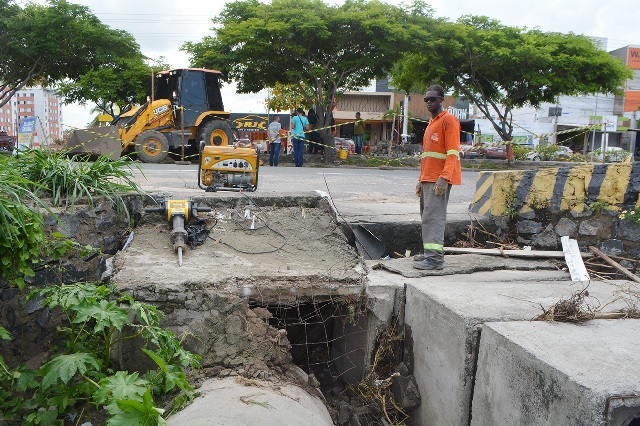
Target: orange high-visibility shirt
column 441, row 150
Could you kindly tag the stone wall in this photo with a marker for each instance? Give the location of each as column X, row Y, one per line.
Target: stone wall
column 33, row 326
column 583, row 202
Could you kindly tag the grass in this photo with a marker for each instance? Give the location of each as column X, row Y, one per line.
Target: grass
column 69, row 180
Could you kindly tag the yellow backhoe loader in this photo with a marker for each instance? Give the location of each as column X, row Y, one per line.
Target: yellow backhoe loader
column 186, row 108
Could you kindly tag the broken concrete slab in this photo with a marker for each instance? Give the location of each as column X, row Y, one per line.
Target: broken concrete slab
column 462, row 264
column 292, row 255
column 446, row 314
column 540, row 373
column 238, row 401
column 289, row 250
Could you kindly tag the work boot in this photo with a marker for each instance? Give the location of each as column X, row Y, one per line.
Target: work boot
column 429, row 264
column 419, row 257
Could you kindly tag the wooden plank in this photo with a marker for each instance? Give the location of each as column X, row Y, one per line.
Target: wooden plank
column 615, row 264
column 511, row 253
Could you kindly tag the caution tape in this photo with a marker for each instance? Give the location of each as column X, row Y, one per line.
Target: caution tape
column 585, row 129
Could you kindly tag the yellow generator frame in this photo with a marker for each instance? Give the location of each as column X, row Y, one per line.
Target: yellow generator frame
column 228, row 168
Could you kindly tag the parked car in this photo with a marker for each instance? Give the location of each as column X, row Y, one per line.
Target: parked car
column 469, row 151
column 562, row 153
column 614, row 154
column 496, row 152
column 344, row 143
column 7, row 143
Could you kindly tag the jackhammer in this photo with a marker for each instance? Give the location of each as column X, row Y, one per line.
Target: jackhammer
column 178, row 213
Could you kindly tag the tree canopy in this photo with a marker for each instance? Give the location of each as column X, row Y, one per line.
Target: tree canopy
column 499, row 68
column 317, row 49
column 61, row 42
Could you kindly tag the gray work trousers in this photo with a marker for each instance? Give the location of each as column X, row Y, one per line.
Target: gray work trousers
column 433, row 210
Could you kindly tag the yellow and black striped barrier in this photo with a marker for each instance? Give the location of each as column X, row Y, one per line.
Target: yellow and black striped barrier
column 510, row 193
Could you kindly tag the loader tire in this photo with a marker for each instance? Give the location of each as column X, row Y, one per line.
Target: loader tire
column 216, row 132
column 152, row 147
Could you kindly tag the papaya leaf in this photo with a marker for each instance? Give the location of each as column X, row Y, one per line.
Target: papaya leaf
column 105, row 314
column 142, row 413
column 121, row 386
column 4, row 334
column 65, row 367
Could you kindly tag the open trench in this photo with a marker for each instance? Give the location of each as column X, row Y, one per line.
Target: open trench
column 272, row 287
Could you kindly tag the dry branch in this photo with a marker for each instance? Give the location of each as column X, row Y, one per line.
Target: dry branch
column 615, row 264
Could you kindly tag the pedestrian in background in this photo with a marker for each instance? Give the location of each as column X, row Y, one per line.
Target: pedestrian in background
column 314, row 135
column 274, row 138
column 358, row 133
column 299, row 124
column 439, row 169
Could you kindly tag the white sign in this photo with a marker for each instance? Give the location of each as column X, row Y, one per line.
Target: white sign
column 609, row 123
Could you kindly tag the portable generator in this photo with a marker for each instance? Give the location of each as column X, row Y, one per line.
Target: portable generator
column 228, row 168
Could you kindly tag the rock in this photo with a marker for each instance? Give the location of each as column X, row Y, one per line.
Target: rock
column 405, row 391
column 629, row 230
column 528, row 227
column 566, row 227
column 589, row 227
column 344, row 414
column 313, row 381
column 545, row 240
column 611, row 247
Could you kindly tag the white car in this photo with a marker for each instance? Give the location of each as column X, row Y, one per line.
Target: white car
column 563, row 152
column 614, row 154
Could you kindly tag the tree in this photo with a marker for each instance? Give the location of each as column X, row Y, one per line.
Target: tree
column 127, row 80
column 60, row 41
column 500, row 68
column 317, row 49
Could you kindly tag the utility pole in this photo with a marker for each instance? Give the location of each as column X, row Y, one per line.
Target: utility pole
column 405, row 122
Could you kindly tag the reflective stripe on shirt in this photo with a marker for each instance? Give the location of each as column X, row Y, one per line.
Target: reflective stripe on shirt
column 440, row 155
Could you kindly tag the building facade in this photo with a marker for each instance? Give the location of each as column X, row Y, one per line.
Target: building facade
column 34, row 102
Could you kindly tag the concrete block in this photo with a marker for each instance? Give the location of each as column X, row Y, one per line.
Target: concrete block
column 446, row 314
column 539, row 373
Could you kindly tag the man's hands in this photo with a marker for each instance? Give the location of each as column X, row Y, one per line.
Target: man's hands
column 418, row 189
column 441, row 186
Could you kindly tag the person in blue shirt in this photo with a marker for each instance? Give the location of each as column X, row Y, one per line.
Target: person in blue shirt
column 299, row 124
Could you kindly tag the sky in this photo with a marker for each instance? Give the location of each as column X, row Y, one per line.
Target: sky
column 161, row 27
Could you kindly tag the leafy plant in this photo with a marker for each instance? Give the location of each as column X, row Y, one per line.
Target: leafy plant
column 82, row 375
column 598, row 206
column 510, row 207
column 520, row 152
column 67, row 180
column 631, row 215
column 547, row 152
column 610, row 156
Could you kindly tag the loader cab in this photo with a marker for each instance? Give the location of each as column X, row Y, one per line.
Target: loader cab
column 197, row 90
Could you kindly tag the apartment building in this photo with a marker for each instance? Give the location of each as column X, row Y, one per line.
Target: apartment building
column 34, row 102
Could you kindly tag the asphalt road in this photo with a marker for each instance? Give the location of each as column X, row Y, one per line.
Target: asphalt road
column 361, row 194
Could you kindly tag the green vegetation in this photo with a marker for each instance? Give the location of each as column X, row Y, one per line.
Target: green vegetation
column 510, row 207
column 68, row 180
column 80, row 379
column 612, row 156
column 499, row 68
column 309, row 47
column 598, row 206
column 631, row 215
column 61, row 42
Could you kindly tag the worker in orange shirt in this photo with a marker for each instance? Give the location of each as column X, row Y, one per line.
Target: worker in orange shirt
column 439, row 169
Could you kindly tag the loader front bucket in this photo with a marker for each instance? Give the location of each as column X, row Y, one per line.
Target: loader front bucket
column 95, row 142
